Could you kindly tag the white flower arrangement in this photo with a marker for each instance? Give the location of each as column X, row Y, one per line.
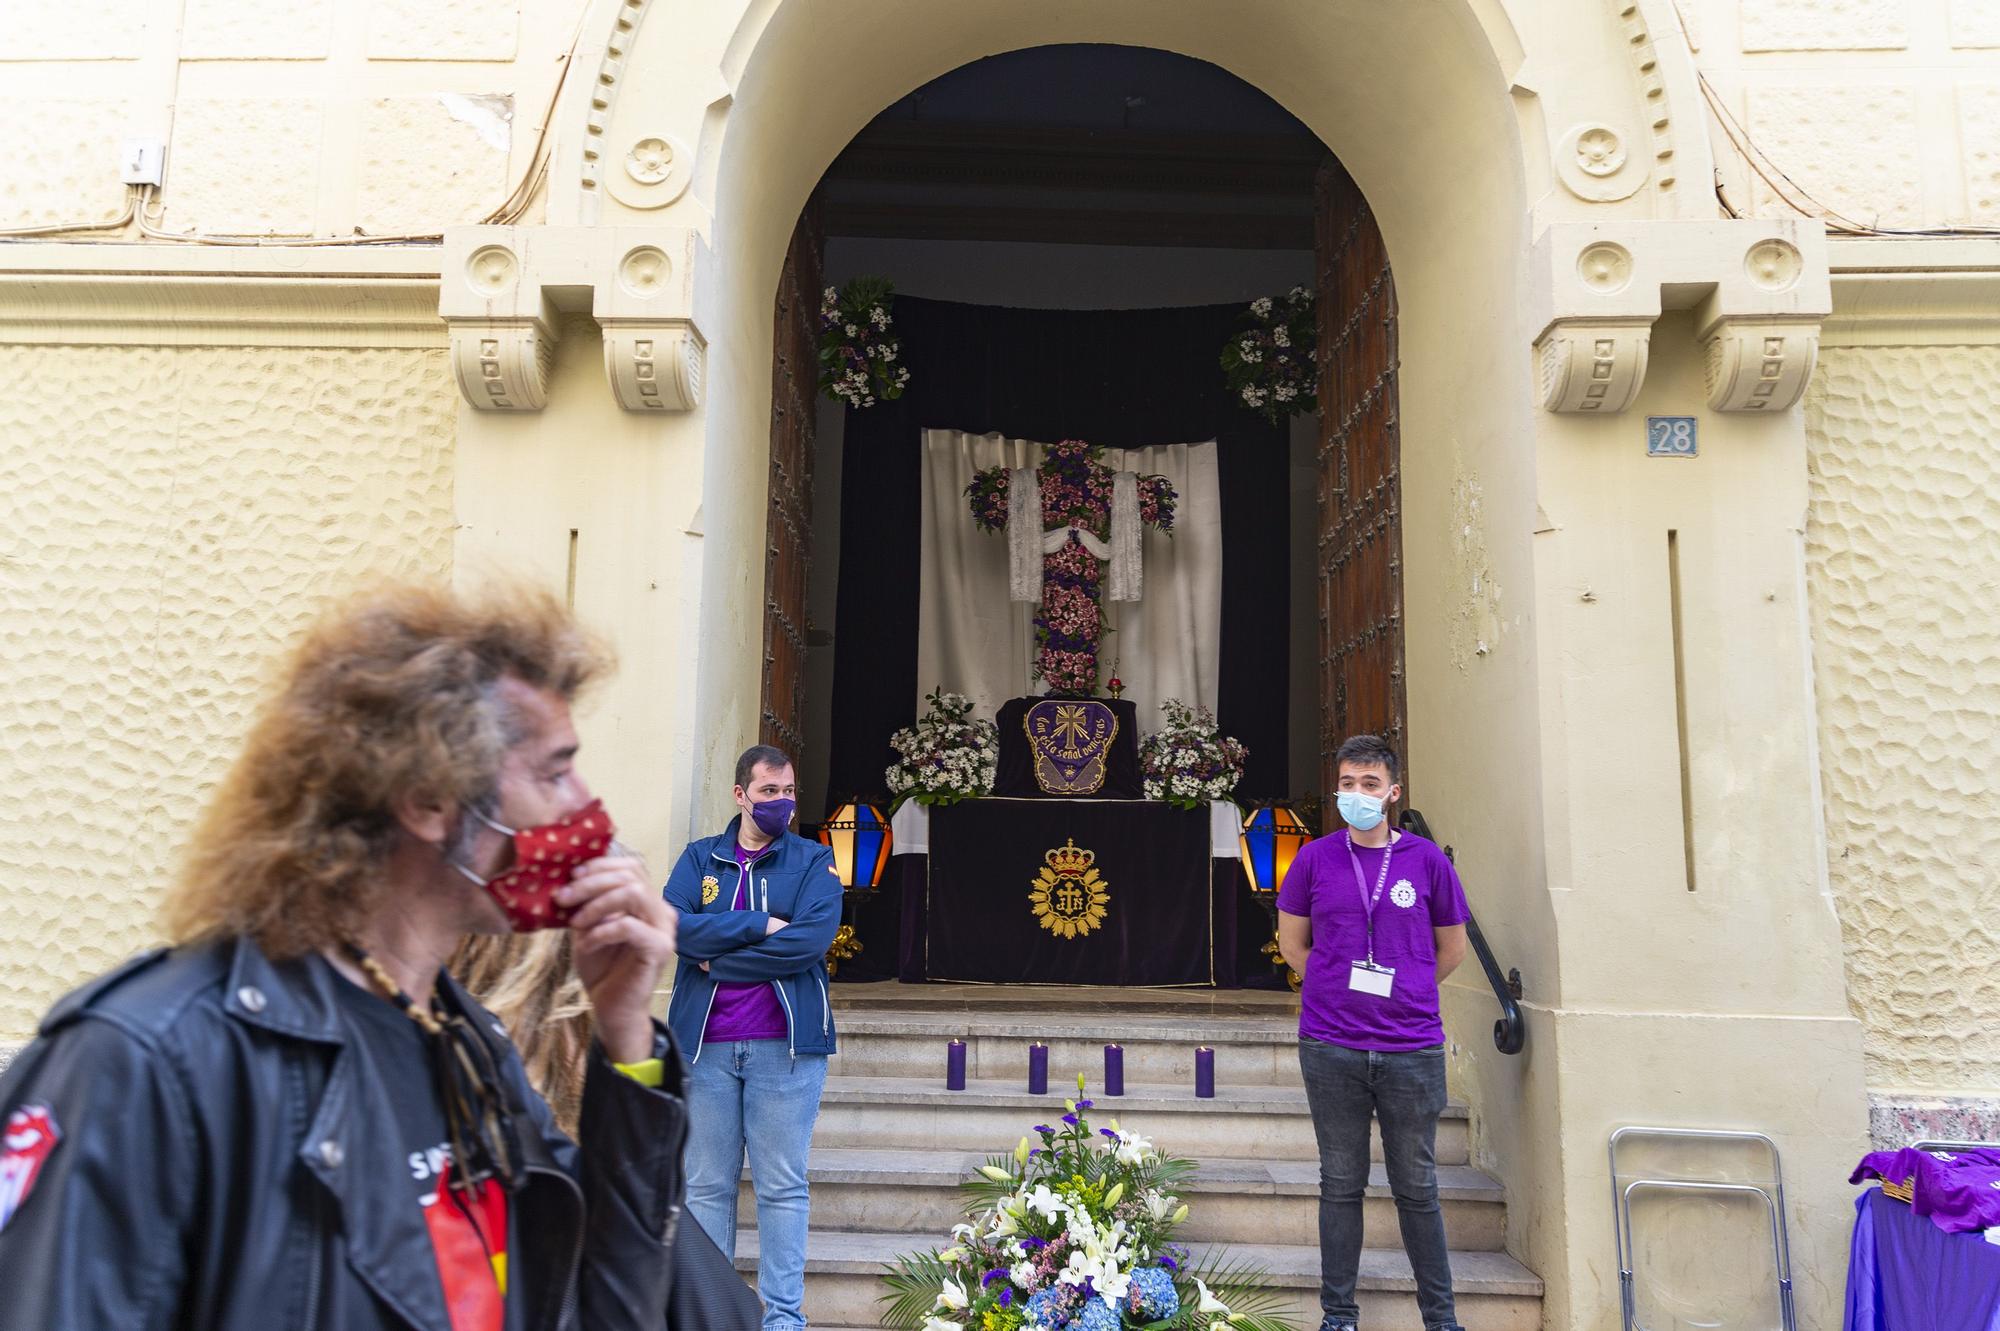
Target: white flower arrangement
column 1189, row 761
column 947, row 756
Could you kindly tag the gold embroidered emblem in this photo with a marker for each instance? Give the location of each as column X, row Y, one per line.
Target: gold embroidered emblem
column 1070, row 896
column 711, row 888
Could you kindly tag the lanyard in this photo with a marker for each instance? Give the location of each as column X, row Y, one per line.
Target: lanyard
column 1368, row 903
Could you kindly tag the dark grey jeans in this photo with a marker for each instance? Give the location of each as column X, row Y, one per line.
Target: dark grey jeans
column 1405, row 1091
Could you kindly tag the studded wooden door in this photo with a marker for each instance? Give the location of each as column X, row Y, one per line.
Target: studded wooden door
column 788, row 525
column 1360, row 550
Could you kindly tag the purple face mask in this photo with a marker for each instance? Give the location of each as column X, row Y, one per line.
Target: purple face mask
column 773, row 816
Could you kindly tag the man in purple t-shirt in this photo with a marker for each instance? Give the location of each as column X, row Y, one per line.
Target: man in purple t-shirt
column 1374, row 919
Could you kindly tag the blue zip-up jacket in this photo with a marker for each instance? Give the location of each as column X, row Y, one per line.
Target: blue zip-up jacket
column 794, row 880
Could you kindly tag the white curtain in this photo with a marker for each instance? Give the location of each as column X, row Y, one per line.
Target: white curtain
column 973, row 639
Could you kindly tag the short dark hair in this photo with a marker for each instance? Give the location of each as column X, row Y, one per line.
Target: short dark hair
column 1367, row 751
column 759, row 755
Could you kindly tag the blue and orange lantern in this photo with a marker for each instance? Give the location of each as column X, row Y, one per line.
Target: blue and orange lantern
column 861, row 840
column 1271, row 839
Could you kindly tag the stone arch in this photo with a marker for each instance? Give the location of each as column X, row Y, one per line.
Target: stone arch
column 1433, row 109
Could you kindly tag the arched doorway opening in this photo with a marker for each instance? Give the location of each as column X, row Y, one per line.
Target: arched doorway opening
column 1091, row 177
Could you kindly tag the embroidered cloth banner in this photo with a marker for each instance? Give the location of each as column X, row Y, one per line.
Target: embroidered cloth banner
column 1071, row 739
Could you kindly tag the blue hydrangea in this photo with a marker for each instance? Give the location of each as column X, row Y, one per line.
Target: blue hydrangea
column 1151, row 1296
column 1047, row 1309
column 1095, row 1317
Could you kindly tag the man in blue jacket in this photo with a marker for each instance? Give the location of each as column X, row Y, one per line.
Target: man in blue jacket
column 759, row 906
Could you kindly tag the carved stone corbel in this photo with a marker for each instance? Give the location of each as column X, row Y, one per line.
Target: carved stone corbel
column 644, row 300
column 654, row 366
column 1593, row 365
column 1754, row 364
column 503, row 364
column 503, row 334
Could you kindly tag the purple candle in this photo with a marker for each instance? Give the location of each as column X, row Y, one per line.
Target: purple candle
column 954, row 1066
column 1038, row 1069
column 1204, row 1073
column 1114, row 1070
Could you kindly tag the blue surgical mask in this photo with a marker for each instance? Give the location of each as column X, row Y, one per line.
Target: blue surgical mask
column 1360, row 812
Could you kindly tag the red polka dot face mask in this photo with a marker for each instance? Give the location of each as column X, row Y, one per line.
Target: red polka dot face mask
column 545, row 858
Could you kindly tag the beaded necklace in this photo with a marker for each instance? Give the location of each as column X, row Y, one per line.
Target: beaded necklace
column 484, row 1142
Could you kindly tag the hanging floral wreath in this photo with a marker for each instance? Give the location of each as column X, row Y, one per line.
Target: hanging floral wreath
column 1270, row 364
column 857, row 352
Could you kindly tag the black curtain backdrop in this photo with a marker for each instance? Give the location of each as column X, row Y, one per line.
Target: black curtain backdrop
column 1119, row 378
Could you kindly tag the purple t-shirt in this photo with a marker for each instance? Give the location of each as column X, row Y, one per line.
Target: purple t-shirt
column 1421, row 892
column 745, row 1011
column 1958, row 1190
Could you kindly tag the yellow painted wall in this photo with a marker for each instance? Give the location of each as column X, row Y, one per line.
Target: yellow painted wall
column 282, row 117
column 321, row 117
column 1903, row 546
column 168, row 517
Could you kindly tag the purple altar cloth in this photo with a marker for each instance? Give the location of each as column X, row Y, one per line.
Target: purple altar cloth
column 1906, row 1274
column 1956, row 1190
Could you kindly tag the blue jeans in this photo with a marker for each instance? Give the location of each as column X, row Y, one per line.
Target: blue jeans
column 755, row 1092
column 1405, row 1091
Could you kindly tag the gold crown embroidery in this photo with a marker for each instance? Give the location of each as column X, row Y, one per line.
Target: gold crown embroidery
column 711, row 888
column 1069, row 894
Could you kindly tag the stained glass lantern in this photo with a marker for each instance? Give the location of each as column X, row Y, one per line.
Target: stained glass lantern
column 860, row 838
column 1271, row 839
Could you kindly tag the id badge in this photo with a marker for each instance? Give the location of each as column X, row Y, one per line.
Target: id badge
column 1370, row 978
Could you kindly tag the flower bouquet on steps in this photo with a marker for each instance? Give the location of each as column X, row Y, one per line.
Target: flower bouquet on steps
column 947, row 756
column 1077, row 1234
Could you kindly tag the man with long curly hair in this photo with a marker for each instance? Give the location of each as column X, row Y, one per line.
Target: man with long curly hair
column 294, row 1117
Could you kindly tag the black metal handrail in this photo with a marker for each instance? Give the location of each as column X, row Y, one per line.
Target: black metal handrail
column 1510, row 1032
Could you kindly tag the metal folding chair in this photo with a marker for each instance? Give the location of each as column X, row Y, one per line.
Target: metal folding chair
column 1624, row 1187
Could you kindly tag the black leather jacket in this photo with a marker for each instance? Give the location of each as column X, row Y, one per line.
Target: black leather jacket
column 223, row 1167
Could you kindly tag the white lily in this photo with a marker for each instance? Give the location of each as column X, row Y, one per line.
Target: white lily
column 1005, row 1225
column 1209, row 1303
column 1079, row 1269
column 952, row 1295
column 1112, row 1286
column 1159, row 1205
column 1045, row 1201
column 941, row 1324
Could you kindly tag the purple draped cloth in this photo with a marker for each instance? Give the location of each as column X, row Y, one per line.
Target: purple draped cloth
column 1906, row 1274
column 1956, row 1190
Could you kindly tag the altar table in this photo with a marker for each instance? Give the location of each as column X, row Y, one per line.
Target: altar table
column 960, row 899
column 1906, row 1274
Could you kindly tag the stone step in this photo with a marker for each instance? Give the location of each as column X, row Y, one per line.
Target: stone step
column 944, row 996
column 1241, row 1122
column 1230, row 1201
column 1159, row 1046
column 1494, row 1292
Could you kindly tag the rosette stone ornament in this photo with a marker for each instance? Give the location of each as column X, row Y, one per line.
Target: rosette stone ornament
column 502, row 288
